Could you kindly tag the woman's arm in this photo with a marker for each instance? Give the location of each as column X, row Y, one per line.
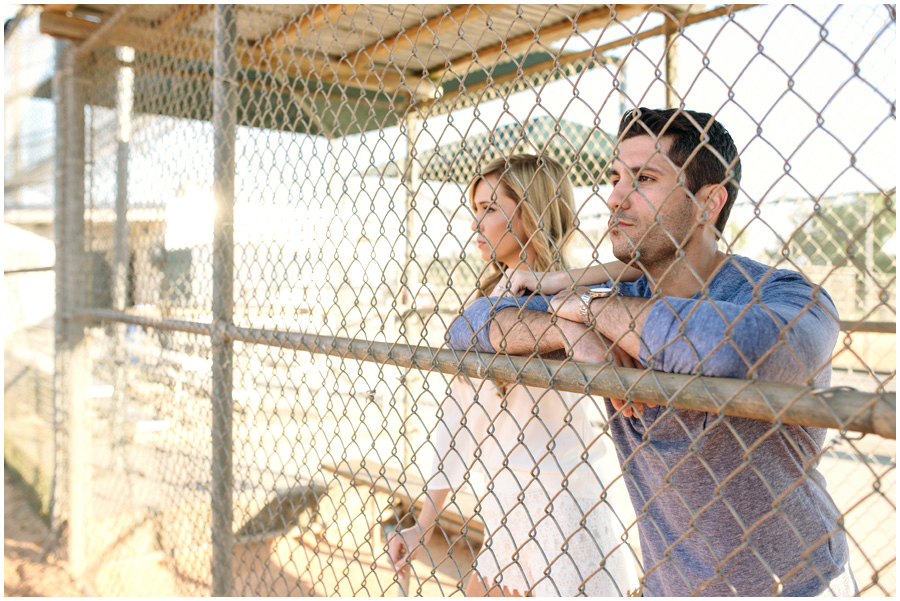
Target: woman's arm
column 518, row 281
column 404, row 545
column 454, row 446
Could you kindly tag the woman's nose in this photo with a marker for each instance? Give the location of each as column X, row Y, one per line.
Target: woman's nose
column 475, row 223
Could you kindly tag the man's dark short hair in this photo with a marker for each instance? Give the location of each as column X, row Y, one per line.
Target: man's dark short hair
column 701, row 146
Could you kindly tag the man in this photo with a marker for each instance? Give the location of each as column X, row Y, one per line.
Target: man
column 725, row 505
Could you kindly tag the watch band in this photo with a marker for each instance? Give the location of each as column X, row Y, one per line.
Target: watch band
column 590, row 295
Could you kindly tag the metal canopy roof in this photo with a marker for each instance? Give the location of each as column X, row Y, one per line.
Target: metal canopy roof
column 357, row 67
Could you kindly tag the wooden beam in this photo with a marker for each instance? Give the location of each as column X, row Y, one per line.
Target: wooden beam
column 562, row 29
column 418, row 85
column 58, row 25
column 275, row 52
column 105, row 29
column 267, row 85
column 59, row 8
column 596, row 51
column 288, row 35
column 348, row 72
column 380, row 52
column 251, row 56
column 184, row 13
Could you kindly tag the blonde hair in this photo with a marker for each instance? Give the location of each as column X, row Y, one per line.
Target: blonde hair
column 547, row 215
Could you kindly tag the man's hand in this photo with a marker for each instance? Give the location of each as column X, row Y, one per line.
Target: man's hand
column 592, row 347
column 619, row 318
column 622, row 359
column 586, row 345
column 567, row 303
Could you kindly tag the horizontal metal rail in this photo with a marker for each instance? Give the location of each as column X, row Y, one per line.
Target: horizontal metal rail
column 840, row 408
column 869, row 327
column 28, row 270
column 853, row 327
column 159, row 323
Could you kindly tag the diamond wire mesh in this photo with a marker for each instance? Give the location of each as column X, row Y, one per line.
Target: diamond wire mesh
column 352, row 221
column 30, row 439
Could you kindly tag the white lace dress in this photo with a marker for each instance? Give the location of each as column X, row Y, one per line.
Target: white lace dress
column 553, row 521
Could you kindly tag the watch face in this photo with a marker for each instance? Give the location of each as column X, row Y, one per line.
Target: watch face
column 602, row 290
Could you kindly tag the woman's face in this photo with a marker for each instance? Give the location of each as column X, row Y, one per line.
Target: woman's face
column 499, row 226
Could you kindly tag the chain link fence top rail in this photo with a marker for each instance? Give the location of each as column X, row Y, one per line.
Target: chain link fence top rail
column 269, row 217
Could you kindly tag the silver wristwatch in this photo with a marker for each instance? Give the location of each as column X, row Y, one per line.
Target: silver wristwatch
column 587, row 297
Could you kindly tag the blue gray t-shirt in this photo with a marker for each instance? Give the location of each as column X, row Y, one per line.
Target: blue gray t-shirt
column 725, row 505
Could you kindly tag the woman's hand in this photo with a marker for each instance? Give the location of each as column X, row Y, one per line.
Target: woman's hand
column 400, row 543
column 519, row 282
column 516, row 281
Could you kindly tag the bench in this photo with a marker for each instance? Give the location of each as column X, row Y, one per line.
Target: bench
column 405, row 492
column 279, row 516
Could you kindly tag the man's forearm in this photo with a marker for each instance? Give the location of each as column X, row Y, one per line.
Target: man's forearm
column 522, row 326
column 471, row 330
column 522, row 332
column 621, row 319
column 525, row 332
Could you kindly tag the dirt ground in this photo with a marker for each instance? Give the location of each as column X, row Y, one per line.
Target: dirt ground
column 29, row 571
column 286, row 565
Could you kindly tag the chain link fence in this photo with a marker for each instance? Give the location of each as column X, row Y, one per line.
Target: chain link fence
column 30, row 412
column 264, row 232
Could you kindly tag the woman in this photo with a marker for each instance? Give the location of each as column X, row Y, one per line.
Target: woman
column 549, row 527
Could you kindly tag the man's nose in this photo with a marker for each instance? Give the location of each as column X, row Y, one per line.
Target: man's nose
column 619, row 196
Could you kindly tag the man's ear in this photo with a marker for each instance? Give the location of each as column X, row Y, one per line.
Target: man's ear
column 714, row 197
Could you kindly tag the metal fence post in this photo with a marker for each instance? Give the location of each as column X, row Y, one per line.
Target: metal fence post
column 75, row 353
column 224, row 128
column 124, row 106
column 12, row 197
column 58, row 490
column 410, row 278
column 673, row 100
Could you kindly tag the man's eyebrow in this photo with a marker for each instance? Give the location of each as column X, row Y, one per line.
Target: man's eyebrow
column 640, row 169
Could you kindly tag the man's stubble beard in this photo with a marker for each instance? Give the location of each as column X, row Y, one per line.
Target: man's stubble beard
column 656, row 248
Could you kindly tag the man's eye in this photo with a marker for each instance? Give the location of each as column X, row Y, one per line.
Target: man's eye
column 645, row 178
